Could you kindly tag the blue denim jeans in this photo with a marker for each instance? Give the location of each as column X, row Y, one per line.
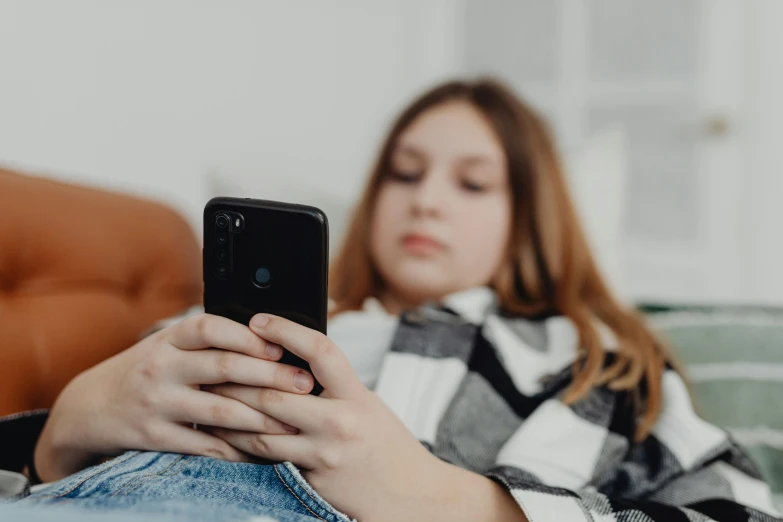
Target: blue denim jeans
column 167, row 486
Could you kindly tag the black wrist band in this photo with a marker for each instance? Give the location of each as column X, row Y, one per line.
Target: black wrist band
column 19, row 433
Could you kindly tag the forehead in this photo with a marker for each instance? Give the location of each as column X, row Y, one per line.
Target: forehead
column 451, row 129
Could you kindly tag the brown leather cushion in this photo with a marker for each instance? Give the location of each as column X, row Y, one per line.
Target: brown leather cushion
column 82, row 273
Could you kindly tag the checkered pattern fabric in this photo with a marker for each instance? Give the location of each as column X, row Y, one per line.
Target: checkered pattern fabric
column 482, row 391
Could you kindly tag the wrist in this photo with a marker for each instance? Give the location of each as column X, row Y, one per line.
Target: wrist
column 419, row 497
column 442, row 491
column 59, row 452
column 465, row 495
column 43, row 458
column 51, row 456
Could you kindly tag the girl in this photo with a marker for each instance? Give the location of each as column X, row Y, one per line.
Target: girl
column 507, row 381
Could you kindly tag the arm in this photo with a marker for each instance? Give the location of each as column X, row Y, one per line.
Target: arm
column 468, row 496
column 727, row 489
column 698, row 495
column 686, row 469
column 362, row 459
column 351, row 447
column 515, row 495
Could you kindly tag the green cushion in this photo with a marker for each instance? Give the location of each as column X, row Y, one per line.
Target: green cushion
column 733, row 358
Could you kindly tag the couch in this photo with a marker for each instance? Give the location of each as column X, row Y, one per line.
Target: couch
column 83, row 272
column 733, row 357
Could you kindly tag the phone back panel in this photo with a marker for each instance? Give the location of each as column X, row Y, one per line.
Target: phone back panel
column 288, row 243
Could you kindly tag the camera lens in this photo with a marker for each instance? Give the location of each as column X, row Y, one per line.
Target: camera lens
column 222, row 270
column 222, row 255
column 222, row 236
column 262, row 277
column 222, row 221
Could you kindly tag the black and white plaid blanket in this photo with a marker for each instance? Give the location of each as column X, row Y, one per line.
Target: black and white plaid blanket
column 482, row 391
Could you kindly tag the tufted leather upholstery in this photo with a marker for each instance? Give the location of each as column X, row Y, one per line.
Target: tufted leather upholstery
column 82, row 273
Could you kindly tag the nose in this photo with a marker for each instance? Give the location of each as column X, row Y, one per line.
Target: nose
column 428, row 198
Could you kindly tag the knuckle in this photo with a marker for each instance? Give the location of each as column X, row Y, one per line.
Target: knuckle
column 343, row 427
column 258, row 398
column 148, row 399
column 217, row 450
column 152, row 369
column 215, row 453
column 154, row 436
column 269, row 425
column 329, row 458
column 222, row 389
column 323, row 347
column 283, row 376
column 220, row 414
column 225, row 366
column 270, row 397
column 201, row 325
column 252, row 342
column 259, row 445
column 146, row 385
column 351, row 426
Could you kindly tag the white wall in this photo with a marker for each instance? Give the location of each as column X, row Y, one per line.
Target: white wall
column 765, row 155
column 185, row 99
column 704, row 208
column 155, row 96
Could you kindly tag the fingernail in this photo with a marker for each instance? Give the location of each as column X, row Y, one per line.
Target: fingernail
column 302, row 381
column 273, row 351
column 289, row 428
column 259, row 321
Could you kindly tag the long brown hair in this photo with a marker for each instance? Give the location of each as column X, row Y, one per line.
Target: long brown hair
column 548, row 267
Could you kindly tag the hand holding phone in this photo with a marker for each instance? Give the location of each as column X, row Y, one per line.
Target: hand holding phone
column 266, row 257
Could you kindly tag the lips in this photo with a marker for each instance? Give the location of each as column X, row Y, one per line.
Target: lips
column 421, row 244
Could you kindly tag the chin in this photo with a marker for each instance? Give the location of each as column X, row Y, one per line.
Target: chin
column 422, row 285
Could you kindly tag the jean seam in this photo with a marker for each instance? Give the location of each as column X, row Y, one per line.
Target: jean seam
column 97, row 472
column 305, row 487
column 150, row 477
column 279, row 476
column 144, row 478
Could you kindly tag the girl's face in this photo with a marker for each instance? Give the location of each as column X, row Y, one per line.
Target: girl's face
column 443, row 215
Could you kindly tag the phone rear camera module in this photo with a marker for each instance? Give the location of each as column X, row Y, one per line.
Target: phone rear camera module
column 223, row 245
column 262, row 277
column 222, row 221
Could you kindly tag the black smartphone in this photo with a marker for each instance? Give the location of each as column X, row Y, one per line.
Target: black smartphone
column 270, row 257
